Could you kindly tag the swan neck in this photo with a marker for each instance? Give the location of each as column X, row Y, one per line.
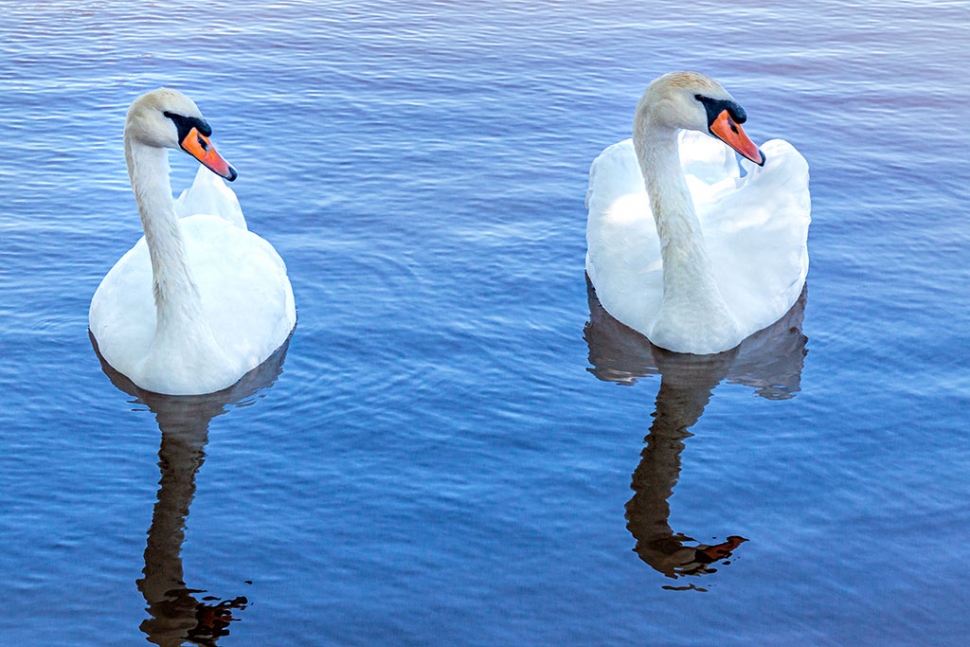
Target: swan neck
column 687, row 270
column 176, row 294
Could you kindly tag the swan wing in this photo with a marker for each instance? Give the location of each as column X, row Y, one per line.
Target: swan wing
column 706, row 159
column 122, row 313
column 210, row 195
column 623, row 258
column 756, row 233
column 246, row 294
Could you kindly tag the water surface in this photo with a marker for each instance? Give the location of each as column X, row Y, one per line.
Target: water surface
column 459, row 446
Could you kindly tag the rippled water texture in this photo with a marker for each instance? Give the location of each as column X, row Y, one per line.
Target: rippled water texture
column 459, row 446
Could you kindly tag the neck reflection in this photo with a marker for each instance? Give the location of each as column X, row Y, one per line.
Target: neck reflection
column 177, row 614
column 769, row 361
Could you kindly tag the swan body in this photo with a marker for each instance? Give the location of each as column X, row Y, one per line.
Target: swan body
column 199, row 301
column 681, row 247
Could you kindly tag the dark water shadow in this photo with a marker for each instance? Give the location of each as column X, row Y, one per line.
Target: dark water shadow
column 770, row 362
column 178, row 614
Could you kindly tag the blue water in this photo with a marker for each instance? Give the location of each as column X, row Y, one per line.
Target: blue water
column 458, row 446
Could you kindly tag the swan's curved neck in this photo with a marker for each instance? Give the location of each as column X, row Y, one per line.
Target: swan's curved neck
column 689, row 284
column 177, row 299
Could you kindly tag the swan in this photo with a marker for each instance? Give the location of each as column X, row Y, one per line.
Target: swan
column 199, row 301
column 680, row 247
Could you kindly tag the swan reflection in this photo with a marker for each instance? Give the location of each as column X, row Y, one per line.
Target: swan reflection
column 178, row 614
column 769, row 361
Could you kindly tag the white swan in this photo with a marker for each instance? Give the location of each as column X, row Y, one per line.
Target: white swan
column 696, row 281
column 198, row 301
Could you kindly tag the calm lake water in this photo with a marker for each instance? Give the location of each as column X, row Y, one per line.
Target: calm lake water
column 458, row 446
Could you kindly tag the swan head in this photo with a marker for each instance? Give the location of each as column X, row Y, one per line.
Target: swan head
column 692, row 101
column 165, row 118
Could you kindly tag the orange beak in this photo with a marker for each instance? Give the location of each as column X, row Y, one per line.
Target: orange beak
column 198, row 146
column 731, row 133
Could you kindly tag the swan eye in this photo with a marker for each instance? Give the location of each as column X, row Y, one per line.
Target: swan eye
column 699, row 97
